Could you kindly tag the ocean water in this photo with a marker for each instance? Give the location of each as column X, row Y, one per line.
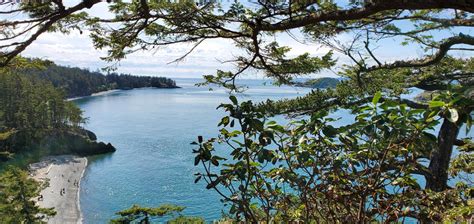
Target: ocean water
column 152, row 130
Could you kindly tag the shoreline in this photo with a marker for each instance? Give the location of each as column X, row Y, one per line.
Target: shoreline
column 93, row 94
column 78, row 201
column 115, row 90
column 64, row 174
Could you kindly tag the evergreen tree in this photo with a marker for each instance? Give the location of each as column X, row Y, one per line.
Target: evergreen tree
column 30, row 108
column 138, row 214
column 389, row 138
column 17, row 198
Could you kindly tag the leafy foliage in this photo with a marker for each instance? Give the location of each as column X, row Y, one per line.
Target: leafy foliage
column 312, row 171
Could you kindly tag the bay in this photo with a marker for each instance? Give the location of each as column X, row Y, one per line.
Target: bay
column 152, row 130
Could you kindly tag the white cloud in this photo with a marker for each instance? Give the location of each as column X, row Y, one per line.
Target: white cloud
column 77, row 50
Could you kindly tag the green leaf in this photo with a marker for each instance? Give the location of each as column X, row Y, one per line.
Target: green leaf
column 233, row 99
column 224, row 121
column 196, row 160
column 376, row 98
column 434, row 104
column 329, row 131
column 271, row 123
column 277, row 128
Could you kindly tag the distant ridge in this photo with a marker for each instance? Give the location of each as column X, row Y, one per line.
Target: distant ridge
column 78, row 82
column 320, row 83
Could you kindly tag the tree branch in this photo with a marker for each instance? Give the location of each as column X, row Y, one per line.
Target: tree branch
column 371, row 8
column 443, row 50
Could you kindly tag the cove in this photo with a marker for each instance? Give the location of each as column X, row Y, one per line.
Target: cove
column 152, row 130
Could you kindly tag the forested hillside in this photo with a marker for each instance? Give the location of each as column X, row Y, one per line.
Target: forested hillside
column 35, row 115
column 34, row 106
column 78, row 82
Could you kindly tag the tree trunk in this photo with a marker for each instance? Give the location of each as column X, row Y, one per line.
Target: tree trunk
column 441, row 156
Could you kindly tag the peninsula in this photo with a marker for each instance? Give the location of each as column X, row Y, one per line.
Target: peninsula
column 78, row 82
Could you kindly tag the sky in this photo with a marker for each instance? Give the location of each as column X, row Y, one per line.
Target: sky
column 76, row 50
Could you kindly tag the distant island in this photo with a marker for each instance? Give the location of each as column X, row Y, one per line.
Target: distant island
column 78, row 82
column 319, row 83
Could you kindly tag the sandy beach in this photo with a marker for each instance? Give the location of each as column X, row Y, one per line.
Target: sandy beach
column 64, row 174
column 94, row 94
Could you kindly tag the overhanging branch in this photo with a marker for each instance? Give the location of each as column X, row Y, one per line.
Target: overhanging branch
column 371, row 8
column 443, row 50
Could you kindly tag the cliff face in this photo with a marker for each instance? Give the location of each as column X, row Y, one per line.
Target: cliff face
column 74, row 141
column 82, row 143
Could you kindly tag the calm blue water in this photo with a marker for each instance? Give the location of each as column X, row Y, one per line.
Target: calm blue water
column 152, row 130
